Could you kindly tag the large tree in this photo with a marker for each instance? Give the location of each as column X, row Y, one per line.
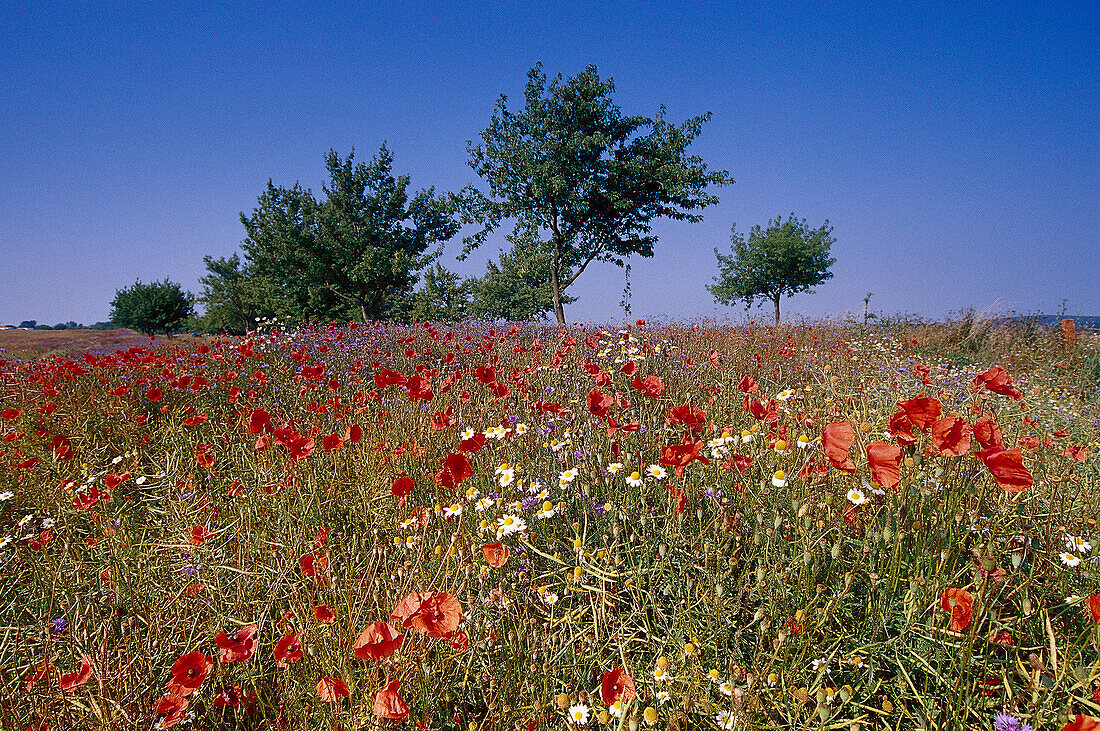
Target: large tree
column 519, row 287
column 152, row 308
column 356, row 253
column 786, row 258
column 583, row 179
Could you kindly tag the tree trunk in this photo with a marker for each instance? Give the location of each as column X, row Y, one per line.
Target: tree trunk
column 555, row 282
column 776, row 301
column 363, row 311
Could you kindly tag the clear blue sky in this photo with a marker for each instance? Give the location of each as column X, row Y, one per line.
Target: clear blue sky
column 955, row 151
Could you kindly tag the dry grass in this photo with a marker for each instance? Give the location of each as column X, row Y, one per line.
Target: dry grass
column 48, row 343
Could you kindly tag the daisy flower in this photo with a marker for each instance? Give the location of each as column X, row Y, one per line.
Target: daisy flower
column 6, row 495
column 612, row 468
column 635, row 479
column 656, row 471
column 1077, row 543
column 568, row 476
column 725, row 719
column 520, row 429
column 784, row 394
column 616, row 709
column 663, row 696
column 803, row 442
column 781, row 447
column 453, row 510
column 578, row 714
column 472, row 493
column 467, row 434
column 779, row 479
column 1070, row 560
column 483, row 504
column 726, row 689
column 746, row 436
column 856, row 496
column 508, row 524
column 546, row 511
column 661, row 675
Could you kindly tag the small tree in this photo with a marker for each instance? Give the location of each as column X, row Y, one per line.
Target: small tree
column 520, row 287
column 233, row 297
column 583, row 180
column 152, row 308
column 784, row 259
column 445, row 297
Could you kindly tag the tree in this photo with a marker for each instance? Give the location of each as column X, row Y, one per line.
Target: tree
column 152, row 308
column 359, row 251
column 786, row 258
column 445, row 297
column 519, row 288
column 571, row 168
column 233, row 297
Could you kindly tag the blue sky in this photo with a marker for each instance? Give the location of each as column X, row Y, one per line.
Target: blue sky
column 954, row 150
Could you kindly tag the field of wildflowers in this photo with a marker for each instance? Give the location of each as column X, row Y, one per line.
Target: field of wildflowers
column 468, row 527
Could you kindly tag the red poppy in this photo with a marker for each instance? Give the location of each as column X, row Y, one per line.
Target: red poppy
column 679, row 456
column 629, row 369
column 997, row 380
column 748, row 385
column 377, row 642
column 154, row 394
column 687, row 415
column 331, row 443
column 951, row 435
column 959, row 604
column 171, row 706
column 331, row 690
column 1007, row 468
column 240, row 646
column 287, row 649
column 486, row 374
column 454, row 468
column 460, row 641
column 901, row 428
column 189, row 672
column 922, row 411
column 233, row 697
column 419, row 389
column 259, row 422
column 313, row 564
column 402, row 486
column 41, row 672
column 385, row 378
column 496, row 554
column 617, row 686
column 72, row 681
column 1082, row 723
column 599, row 403
column 10, row 414
column 836, row 439
column 651, row 385
column 474, row 443
column 1093, row 604
column 199, row 534
column 988, row 433
column 885, row 462
column 323, row 613
column 388, row 703
column 435, row 614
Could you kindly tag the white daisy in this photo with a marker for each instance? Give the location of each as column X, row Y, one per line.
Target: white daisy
column 635, row 479
column 725, row 719
column 578, row 714
column 656, row 471
column 1070, row 560
column 856, row 496
column 779, row 479
column 508, row 524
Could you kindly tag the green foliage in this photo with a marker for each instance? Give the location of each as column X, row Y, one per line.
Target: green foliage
column 786, row 258
column 519, row 288
column 571, row 167
column 357, row 253
column 233, row 298
column 445, row 297
column 152, row 308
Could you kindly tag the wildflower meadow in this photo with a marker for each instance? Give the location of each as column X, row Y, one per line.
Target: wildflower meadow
column 468, row 526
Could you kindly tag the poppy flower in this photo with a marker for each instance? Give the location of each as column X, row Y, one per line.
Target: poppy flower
column 687, row 415
column 1093, row 604
column 331, row 442
column 496, row 554
column 377, row 642
column 287, row 649
column 385, row 378
column 629, row 369
column 748, row 385
column 233, row 697
column 1082, row 723
column 10, row 414
column 189, row 672
column 331, row 690
column 259, row 422
column 988, row 433
column 959, row 604
column 951, row 435
column 238, row 647
column 599, row 403
column 1007, row 468
column 997, row 380
column 836, row 439
column 388, row 703
column 154, row 394
column 323, row 613
column 313, row 565
column 885, row 462
column 922, row 411
column 651, row 385
column 72, row 681
column 454, row 468
column 901, row 428
column 435, row 614
column 199, row 534
column 486, row 374
column 171, row 706
column 617, row 686
column 460, row 641
column 679, row 456
column 474, row 443
column 40, row 673
column 402, row 486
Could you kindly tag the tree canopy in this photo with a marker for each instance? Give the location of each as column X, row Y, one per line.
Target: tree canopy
column 570, row 167
column 356, row 253
column 152, row 308
column 786, row 258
